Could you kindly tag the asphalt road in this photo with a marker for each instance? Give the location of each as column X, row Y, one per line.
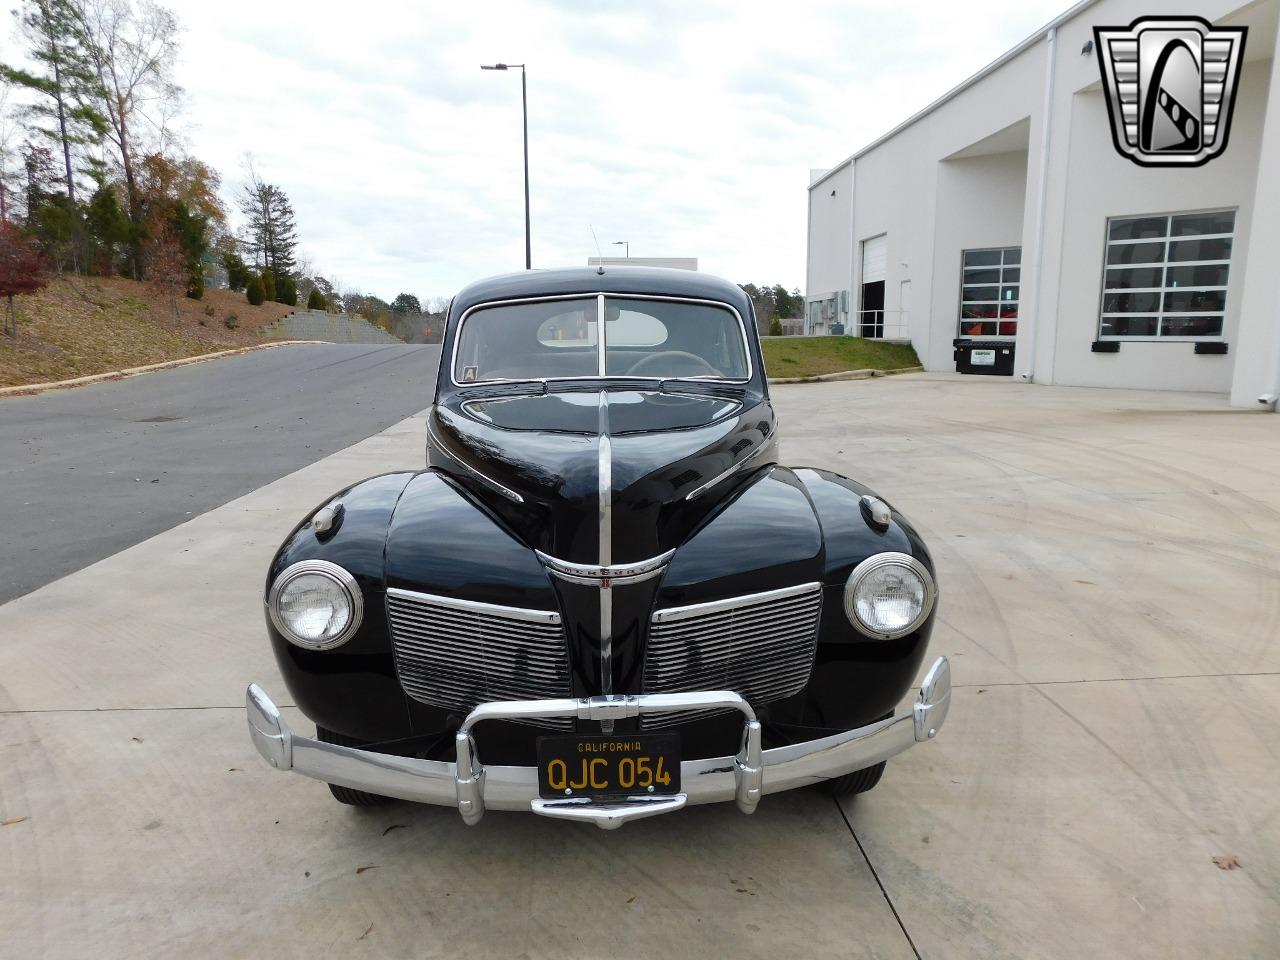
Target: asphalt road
column 85, row 473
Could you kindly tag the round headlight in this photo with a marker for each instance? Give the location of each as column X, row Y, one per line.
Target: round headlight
column 315, row 604
column 889, row 595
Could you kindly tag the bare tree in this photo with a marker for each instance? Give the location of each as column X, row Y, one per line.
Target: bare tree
column 132, row 51
column 8, row 137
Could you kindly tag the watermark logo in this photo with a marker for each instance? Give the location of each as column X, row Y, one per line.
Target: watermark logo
column 1171, row 85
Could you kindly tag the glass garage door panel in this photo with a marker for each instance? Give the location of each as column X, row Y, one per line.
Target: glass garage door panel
column 1166, row 276
column 990, row 290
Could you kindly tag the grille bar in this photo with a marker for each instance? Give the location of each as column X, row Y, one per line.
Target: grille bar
column 456, row 654
column 760, row 645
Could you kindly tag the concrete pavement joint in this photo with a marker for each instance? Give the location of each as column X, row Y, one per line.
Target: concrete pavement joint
column 870, row 866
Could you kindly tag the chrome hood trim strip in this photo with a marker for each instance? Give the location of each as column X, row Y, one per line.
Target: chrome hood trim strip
column 695, row 494
column 606, row 534
column 483, row 478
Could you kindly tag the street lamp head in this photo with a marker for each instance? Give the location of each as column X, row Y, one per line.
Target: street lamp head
column 493, row 66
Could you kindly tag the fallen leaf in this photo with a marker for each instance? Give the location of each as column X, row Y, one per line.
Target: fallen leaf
column 152, row 825
column 394, row 826
column 1086, row 582
column 11, row 821
column 234, row 770
column 306, row 873
column 367, row 866
column 1228, row 861
column 631, row 899
column 136, row 739
column 982, row 689
column 366, row 932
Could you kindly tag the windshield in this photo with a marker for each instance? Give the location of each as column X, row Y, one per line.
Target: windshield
column 560, row 339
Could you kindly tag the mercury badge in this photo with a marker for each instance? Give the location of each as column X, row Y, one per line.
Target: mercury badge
column 1171, row 85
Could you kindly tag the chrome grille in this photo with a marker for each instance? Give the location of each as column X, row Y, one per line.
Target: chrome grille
column 456, row 653
column 760, row 646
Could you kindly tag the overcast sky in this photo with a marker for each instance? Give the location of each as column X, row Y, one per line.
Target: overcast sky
column 687, row 128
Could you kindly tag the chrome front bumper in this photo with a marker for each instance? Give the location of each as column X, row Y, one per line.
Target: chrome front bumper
column 472, row 787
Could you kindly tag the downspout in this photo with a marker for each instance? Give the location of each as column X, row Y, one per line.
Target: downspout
column 808, row 258
column 851, row 304
column 1042, row 200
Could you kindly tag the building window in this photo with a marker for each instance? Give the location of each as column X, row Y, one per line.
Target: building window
column 989, row 284
column 1166, row 277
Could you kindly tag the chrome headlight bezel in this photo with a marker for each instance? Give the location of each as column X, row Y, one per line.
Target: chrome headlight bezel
column 876, row 562
column 332, row 572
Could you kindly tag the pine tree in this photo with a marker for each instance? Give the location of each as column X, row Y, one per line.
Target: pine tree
column 272, row 234
column 253, row 291
column 67, row 84
column 316, row 300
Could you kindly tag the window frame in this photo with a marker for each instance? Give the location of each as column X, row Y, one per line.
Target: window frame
column 1164, row 289
column 601, row 340
column 1000, row 284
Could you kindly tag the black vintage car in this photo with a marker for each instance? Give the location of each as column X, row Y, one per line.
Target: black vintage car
column 603, row 599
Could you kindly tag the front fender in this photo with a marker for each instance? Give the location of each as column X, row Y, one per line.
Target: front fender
column 857, row 679
column 353, row 688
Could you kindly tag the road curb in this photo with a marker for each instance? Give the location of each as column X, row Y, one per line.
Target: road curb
column 30, row 389
column 846, row 375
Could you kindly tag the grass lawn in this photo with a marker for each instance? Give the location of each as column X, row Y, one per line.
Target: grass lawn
column 812, row 356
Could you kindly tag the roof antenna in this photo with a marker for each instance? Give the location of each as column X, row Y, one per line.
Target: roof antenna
column 599, row 255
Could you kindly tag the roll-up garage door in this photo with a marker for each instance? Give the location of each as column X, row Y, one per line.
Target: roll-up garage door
column 875, row 254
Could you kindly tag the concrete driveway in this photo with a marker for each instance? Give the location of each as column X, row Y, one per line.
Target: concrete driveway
column 1108, row 563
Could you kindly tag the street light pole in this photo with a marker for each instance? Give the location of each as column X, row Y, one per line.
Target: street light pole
column 524, row 105
column 625, row 244
column 524, row 108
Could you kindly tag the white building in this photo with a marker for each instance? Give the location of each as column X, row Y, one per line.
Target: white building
column 1002, row 213
column 673, row 263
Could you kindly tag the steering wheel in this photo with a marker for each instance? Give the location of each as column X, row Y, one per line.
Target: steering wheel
column 685, row 364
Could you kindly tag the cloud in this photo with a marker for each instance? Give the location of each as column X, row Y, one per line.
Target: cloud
column 687, row 129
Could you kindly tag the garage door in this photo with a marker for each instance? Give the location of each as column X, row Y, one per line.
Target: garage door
column 875, row 254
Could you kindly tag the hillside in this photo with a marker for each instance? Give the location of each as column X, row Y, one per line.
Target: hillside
column 84, row 325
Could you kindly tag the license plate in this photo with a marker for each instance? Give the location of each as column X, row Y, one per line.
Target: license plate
column 638, row 764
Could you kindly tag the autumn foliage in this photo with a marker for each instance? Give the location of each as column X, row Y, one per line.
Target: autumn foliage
column 22, row 268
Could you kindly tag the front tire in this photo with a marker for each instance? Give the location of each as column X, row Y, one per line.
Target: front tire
column 352, row 798
column 860, row 781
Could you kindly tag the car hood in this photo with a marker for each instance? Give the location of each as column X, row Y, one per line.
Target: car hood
column 644, row 465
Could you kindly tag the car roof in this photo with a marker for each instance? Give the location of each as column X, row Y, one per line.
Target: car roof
column 651, row 281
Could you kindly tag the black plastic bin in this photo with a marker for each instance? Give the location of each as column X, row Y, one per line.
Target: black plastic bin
column 990, row 357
